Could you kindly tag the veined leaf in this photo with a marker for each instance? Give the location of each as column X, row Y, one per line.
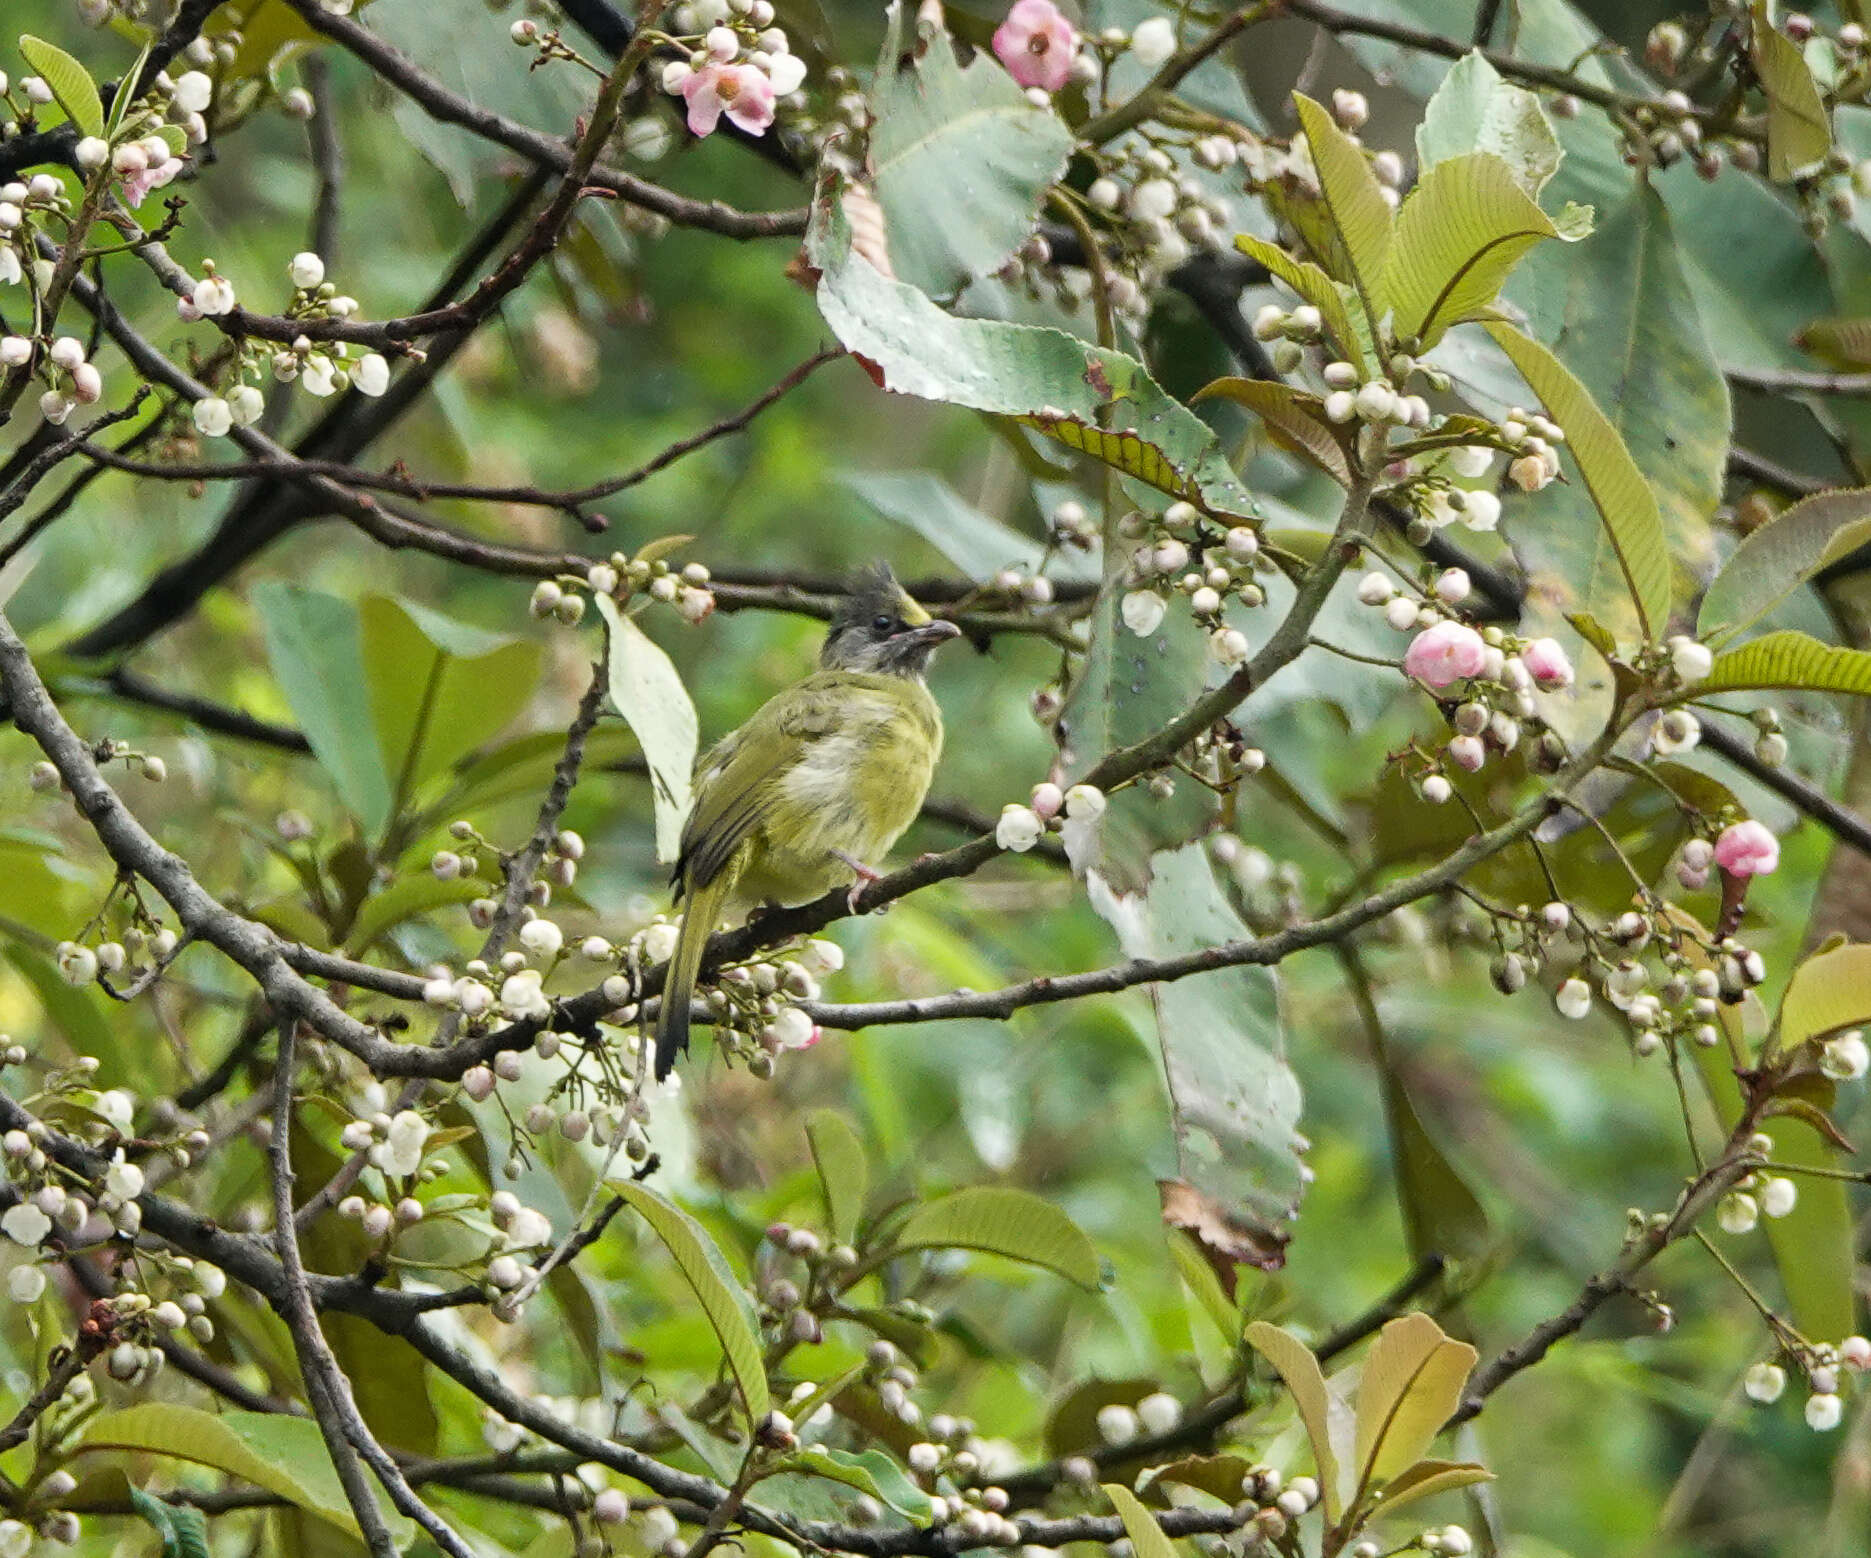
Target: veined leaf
column 1459, row 235
column 871, row 1471
column 1146, row 1536
column 718, row 1290
column 1474, row 110
column 1624, row 500
column 1813, row 1243
column 844, row 1175
column 1294, row 418
column 182, row 1529
column 1839, row 343
column 648, row 692
column 974, row 542
column 70, row 82
column 1789, row 659
column 1428, row 1478
column 1411, row 1385
column 1002, row 1221
column 1782, row 555
column 1315, row 287
column 961, row 159
column 1798, row 132
column 1355, row 200
column 1328, row 1421
column 1829, row 991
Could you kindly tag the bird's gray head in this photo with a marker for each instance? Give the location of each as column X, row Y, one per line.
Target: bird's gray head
column 879, row 628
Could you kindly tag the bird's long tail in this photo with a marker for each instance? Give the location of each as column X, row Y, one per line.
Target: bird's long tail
column 701, row 912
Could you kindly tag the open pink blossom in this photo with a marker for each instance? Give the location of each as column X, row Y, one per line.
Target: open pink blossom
column 743, row 92
column 1036, row 44
column 1547, row 664
column 1747, row 849
column 1445, row 653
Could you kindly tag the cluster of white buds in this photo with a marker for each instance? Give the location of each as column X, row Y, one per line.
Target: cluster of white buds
column 1021, row 827
column 1034, row 589
column 1825, row 1368
column 620, row 576
column 22, row 205
column 1182, row 552
column 1677, row 1004
column 740, row 65
column 1161, row 215
column 757, row 1002
column 72, row 380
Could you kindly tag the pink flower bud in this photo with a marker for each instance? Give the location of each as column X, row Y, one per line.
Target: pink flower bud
column 1747, row 849
column 1444, row 653
column 1546, row 662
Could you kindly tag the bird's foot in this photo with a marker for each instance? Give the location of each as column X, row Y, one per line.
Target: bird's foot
column 865, row 876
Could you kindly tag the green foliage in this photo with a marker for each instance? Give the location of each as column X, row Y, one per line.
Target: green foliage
column 647, row 691
column 1782, row 555
column 70, row 82
column 1001, row 1221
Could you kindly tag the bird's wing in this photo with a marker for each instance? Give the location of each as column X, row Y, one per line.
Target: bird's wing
column 736, row 783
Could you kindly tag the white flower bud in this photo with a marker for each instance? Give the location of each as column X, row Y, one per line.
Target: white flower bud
column 1690, row 661
column 1019, row 828
column 1764, row 1383
column 194, row 91
column 1573, row 999
column 1143, row 611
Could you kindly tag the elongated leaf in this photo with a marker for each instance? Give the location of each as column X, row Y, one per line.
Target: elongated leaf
column 716, row 1288
column 648, row 692
column 1328, row 1421
column 1316, row 288
column 1839, row 343
column 182, row 1530
column 70, row 82
column 1798, row 132
column 1045, row 378
column 1789, row 659
column 1427, row 1478
column 1411, row 1385
column 315, row 648
column 1354, row 198
column 844, row 1173
column 1294, row 417
column 1782, row 555
column 1813, row 1243
column 869, row 1471
column 976, row 543
column 284, row 1455
column 1459, row 235
column 1199, row 1277
column 1624, row 501
column 1002, row 1221
column 1146, row 1536
column 960, row 158
column 1441, row 1215
column 1474, row 110
column 1826, row 993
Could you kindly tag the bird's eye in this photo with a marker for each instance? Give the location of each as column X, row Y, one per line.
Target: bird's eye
column 883, row 622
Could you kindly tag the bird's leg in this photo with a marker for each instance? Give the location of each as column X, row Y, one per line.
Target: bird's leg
column 865, row 876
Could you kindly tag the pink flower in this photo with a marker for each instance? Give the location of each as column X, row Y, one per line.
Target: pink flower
column 743, row 92
column 1747, row 849
column 1036, row 44
column 1547, row 664
column 1445, row 653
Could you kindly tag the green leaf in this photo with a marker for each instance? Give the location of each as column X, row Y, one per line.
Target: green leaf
column 1002, row 1221
column 1316, row 288
column 844, row 1173
column 1828, row 991
column 1791, row 660
column 1813, row 1243
column 284, row 1455
column 869, row 1471
column 183, row 1530
column 410, row 895
column 1474, row 110
column 1782, row 555
column 961, row 160
column 1428, row 1478
column 1355, row 200
column 1328, row 1421
column 389, row 1384
column 1799, row 135
column 1234, row 1099
column 1441, row 1215
column 723, row 1299
column 1624, row 500
column 648, row 692
column 1410, row 1386
column 1146, row 1536
column 316, row 650
column 439, row 689
column 976, row 543
column 1199, row 1277
column 1465, row 227
column 70, row 82
column 1294, row 418
column 1838, row 343
column 1045, row 378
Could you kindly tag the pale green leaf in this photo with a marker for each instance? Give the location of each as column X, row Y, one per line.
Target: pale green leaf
column 960, row 159
column 1146, row 1536
column 869, row 1471
column 1316, row 288
column 844, row 1172
column 1294, row 418
column 1410, row 1386
column 1791, row 660
column 1474, row 110
column 1829, row 991
column 1319, row 1410
column 1428, row 1478
column 999, row 1220
column 722, row 1297
column 1354, row 198
column 1624, row 500
column 1782, row 555
column 647, row 690
column 1798, row 132
column 1813, row 1243
column 1441, row 1214
column 974, row 542
column 70, row 82
column 1198, row 1276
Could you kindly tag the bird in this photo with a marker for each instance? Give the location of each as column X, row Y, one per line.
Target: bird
column 818, row 784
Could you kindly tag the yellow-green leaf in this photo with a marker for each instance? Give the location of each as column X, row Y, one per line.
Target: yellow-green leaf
column 1316, row 288
column 1411, row 1385
column 1427, row 1478
column 1826, row 993
column 1798, row 132
column 1198, row 1276
column 1146, row 1536
column 844, row 1173
column 1324, row 1416
column 1789, row 659
column 1459, row 235
column 1354, row 198
column 1839, row 343
column 1813, row 1243
column 1782, row 555
column 1002, row 1221
column 70, row 82
column 716, row 1287
column 1294, row 418
column 1623, row 498
column 647, row 690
